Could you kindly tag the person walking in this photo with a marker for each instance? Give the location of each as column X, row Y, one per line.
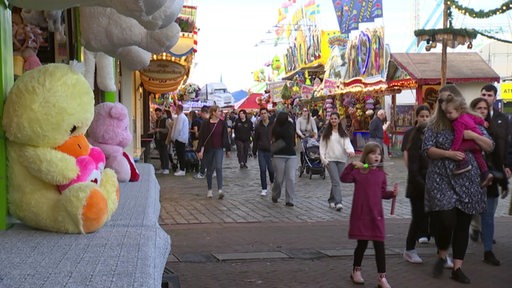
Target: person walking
column 261, row 148
column 243, row 129
column 417, row 165
column 367, row 214
column 495, row 159
column 335, row 148
column 284, row 158
column 179, row 136
column 452, row 198
column 499, row 126
column 213, row 139
column 160, row 132
column 204, row 116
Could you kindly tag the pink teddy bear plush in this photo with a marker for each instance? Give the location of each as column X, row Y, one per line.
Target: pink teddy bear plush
column 110, row 132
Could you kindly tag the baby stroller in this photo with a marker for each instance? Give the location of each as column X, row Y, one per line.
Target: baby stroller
column 311, row 162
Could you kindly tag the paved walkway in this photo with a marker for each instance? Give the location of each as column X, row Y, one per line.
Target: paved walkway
column 247, row 241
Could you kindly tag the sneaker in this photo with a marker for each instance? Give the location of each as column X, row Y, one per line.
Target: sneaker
column 245, row 165
column 199, row 176
column 449, row 263
column 159, row 171
column 180, row 173
column 263, row 192
column 383, row 282
column 221, row 195
column 209, row 194
column 423, row 240
column 490, row 259
column 412, row 256
column 289, row 204
column 241, row 165
column 339, row 207
column 462, row 166
column 165, row 171
column 332, row 205
column 460, row 277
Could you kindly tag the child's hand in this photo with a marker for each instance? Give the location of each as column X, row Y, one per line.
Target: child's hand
column 486, row 124
column 358, row 165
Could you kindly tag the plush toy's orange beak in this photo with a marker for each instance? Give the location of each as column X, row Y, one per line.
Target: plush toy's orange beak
column 75, row 146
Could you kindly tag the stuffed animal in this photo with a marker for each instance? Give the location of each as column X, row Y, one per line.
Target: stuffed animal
column 152, row 14
column 46, row 112
column 109, row 131
column 105, row 30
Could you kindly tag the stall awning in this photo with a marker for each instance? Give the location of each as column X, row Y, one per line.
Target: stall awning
column 425, row 68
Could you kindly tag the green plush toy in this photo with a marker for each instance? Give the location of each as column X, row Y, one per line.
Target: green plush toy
column 46, row 115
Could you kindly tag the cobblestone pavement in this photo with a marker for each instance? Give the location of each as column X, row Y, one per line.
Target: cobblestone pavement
column 247, row 241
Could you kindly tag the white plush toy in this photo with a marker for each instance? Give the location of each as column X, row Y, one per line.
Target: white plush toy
column 105, row 30
column 47, row 18
column 152, row 14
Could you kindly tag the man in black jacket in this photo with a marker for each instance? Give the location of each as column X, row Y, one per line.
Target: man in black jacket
column 498, row 130
column 261, row 146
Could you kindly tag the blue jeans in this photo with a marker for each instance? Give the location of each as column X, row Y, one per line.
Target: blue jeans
column 213, row 159
column 163, row 154
column 488, row 222
column 265, row 163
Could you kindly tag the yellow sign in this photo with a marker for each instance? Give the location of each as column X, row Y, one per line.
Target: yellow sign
column 506, row 91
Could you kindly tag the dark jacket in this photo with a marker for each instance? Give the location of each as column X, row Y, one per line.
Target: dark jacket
column 417, row 163
column 285, row 130
column 206, row 130
column 262, row 137
column 499, row 132
column 243, row 130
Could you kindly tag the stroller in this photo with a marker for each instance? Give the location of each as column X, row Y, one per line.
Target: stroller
column 311, row 162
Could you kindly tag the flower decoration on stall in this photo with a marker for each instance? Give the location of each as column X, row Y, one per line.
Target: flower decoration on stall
column 188, row 91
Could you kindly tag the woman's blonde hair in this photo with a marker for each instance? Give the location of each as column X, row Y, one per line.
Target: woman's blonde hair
column 439, row 121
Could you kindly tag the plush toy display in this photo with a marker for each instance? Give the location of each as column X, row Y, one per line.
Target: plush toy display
column 56, row 181
column 109, row 131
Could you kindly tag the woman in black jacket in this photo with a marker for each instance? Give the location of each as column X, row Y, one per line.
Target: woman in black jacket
column 284, row 158
column 213, row 139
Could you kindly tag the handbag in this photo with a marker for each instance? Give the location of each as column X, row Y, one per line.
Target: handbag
column 277, row 145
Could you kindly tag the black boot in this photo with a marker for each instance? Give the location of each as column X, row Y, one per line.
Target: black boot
column 460, row 277
column 490, row 259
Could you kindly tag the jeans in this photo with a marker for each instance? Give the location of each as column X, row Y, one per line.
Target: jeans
column 213, row 160
column 334, row 168
column 265, row 163
column 488, row 223
column 163, row 154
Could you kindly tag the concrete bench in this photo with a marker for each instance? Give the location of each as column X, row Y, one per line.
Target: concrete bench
column 129, row 251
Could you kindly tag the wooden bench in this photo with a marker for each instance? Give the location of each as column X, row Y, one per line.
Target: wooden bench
column 129, row 251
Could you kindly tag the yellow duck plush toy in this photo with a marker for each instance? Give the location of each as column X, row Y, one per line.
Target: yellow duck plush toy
column 46, row 115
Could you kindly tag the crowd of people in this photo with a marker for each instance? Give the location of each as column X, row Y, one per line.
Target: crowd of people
column 458, row 158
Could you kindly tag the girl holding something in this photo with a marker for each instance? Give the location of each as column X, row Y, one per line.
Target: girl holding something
column 367, row 215
column 335, row 148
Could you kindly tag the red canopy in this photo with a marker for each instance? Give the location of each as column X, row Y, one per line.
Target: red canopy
column 250, row 103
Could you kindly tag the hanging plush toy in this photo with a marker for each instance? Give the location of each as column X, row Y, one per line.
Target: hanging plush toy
column 56, row 181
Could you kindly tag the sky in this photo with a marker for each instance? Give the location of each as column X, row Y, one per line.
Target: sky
column 236, row 37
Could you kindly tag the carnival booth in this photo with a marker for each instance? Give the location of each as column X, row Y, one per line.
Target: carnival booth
column 419, row 74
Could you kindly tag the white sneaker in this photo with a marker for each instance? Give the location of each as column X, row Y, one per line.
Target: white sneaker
column 198, row 176
column 339, row 207
column 449, row 262
column 179, row 173
column 159, row 171
column 412, row 256
column 332, row 205
column 423, row 240
column 165, row 171
column 221, row 195
column 209, row 194
column 263, row 192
